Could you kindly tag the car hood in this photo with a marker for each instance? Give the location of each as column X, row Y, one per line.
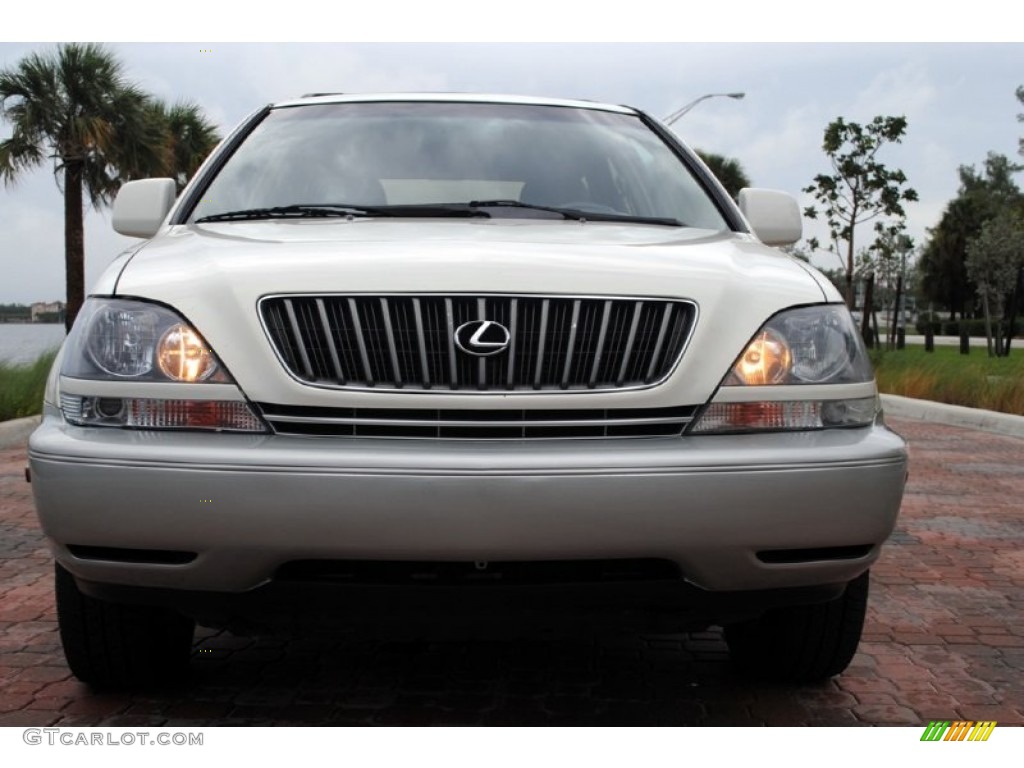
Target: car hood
column 214, row 274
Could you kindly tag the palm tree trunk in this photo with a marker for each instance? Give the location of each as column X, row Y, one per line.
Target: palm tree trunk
column 74, row 242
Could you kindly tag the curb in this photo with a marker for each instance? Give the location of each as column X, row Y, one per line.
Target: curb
column 16, row 432
column 954, row 415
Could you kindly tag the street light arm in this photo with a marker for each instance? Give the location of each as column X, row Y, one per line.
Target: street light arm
column 687, row 107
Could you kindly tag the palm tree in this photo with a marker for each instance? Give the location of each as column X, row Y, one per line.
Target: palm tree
column 190, row 138
column 74, row 106
column 728, row 171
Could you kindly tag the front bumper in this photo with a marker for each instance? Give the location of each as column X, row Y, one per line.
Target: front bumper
column 246, row 505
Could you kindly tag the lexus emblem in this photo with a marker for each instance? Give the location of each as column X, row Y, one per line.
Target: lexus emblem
column 482, row 338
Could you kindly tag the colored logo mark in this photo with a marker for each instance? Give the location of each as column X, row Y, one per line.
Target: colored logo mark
column 958, row 730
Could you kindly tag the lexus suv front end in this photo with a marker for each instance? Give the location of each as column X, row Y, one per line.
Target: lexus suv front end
column 473, row 353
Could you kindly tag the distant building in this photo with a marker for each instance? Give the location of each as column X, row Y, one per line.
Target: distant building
column 47, row 311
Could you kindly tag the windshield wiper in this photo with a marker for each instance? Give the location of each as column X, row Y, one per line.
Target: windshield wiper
column 575, row 214
column 286, row 212
column 472, row 209
column 565, row 213
column 302, row 211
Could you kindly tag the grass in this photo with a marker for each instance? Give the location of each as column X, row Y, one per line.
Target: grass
column 946, row 376
column 21, row 387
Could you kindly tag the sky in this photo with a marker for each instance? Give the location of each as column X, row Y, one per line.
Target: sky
column 958, row 99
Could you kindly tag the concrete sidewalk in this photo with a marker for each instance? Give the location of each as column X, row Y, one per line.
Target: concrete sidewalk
column 954, row 415
column 16, row 432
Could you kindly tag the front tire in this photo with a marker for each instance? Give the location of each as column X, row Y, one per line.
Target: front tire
column 803, row 643
column 109, row 645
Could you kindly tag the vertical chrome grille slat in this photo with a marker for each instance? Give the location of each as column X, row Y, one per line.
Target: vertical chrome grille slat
column 542, row 336
column 453, row 365
column 357, row 325
column 385, row 309
column 326, row 324
column 513, row 318
column 572, row 343
column 293, row 321
column 481, row 365
column 626, row 355
column 602, row 334
column 666, row 316
column 556, row 343
column 421, row 342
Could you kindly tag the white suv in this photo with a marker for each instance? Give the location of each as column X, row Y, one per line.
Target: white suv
column 483, row 355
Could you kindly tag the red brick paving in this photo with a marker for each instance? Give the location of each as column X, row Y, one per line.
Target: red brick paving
column 944, row 639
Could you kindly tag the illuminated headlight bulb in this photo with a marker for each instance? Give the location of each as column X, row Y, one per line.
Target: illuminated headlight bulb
column 183, row 355
column 766, row 360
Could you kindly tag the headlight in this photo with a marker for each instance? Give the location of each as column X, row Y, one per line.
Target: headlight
column 134, row 340
column 122, row 340
column 793, row 351
column 810, row 345
column 766, row 360
column 119, row 341
column 183, row 355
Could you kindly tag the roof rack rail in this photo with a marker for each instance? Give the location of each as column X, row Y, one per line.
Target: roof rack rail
column 330, row 93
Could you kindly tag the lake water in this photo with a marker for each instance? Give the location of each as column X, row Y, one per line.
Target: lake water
column 24, row 342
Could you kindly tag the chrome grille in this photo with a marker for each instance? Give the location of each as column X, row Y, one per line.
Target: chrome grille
column 476, row 424
column 408, row 342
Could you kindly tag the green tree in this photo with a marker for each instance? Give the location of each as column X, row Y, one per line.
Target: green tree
column 727, row 170
column 74, row 106
column 860, row 189
column 888, row 261
column 941, row 271
column 993, row 259
column 981, row 197
column 189, row 138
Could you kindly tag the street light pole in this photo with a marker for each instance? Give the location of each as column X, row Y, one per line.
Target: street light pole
column 686, row 108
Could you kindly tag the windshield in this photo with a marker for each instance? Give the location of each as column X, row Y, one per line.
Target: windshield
column 373, row 155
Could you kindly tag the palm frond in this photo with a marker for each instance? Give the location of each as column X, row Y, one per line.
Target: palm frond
column 73, row 104
column 17, row 155
column 143, row 146
column 191, row 137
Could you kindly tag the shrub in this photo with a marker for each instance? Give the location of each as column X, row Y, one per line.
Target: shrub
column 21, row 387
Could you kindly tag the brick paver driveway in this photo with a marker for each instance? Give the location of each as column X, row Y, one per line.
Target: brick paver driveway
column 944, row 640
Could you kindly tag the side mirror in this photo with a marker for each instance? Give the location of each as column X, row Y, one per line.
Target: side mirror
column 774, row 216
column 141, row 206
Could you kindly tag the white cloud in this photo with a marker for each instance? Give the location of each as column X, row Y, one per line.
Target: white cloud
column 906, row 90
column 788, row 155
